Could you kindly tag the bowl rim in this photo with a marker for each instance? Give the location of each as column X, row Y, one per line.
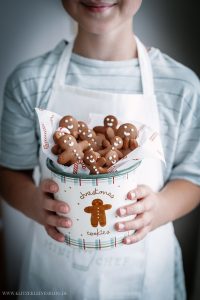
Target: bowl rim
column 51, row 167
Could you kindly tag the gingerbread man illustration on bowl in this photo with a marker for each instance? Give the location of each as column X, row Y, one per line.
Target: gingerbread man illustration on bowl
column 97, row 211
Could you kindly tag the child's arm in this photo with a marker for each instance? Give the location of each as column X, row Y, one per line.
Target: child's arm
column 175, row 200
column 19, row 190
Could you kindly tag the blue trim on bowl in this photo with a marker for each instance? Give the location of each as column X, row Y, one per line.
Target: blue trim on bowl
column 50, row 166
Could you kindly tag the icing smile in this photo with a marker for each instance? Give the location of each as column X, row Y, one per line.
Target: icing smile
column 116, row 144
column 71, row 144
column 127, row 133
column 70, row 126
column 110, row 124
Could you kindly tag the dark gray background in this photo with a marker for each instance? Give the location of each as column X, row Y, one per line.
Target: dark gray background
column 29, row 28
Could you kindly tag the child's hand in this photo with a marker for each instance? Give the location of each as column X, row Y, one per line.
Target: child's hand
column 47, row 216
column 144, row 213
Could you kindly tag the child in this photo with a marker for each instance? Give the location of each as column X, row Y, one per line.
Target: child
column 105, row 63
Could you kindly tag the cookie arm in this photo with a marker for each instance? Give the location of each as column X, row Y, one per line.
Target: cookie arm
column 101, row 161
column 107, row 206
column 83, row 145
column 120, row 155
column 88, row 209
column 99, row 129
column 64, row 158
column 104, row 151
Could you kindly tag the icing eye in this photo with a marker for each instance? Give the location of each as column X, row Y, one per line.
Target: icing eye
column 79, row 125
column 125, row 126
column 91, row 156
column 117, row 139
column 65, row 141
column 66, row 121
column 112, row 120
column 70, row 138
column 132, row 129
column 83, row 133
column 114, row 155
column 87, row 157
column 83, row 125
column 108, row 119
column 70, row 119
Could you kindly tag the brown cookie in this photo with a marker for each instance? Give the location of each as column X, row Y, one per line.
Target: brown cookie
column 128, row 132
column 82, row 126
column 112, row 158
column 116, row 143
column 94, row 162
column 72, row 151
column 97, row 211
column 109, row 122
column 71, row 124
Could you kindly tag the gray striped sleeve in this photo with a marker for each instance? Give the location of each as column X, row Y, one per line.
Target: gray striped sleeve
column 19, row 145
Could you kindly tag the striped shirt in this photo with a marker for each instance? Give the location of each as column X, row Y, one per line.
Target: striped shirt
column 178, row 97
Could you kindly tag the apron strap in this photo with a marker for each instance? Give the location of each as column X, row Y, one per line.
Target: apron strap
column 145, row 69
column 63, row 65
column 143, row 57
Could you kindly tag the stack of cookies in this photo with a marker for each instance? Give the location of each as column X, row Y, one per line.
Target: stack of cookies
column 99, row 148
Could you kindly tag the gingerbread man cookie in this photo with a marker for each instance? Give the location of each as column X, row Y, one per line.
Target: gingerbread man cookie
column 112, row 158
column 82, row 126
column 95, row 141
column 71, row 124
column 128, row 132
column 116, row 143
column 58, row 134
column 72, row 151
column 90, row 136
column 97, row 211
column 94, row 162
column 109, row 122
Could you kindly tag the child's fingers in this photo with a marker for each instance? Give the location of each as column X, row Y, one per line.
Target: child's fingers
column 49, row 186
column 57, row 221
column 141, row 191
column 56, row 205
column 139, row 222
column 52, row 232
column 137, row 208
column 138, row 236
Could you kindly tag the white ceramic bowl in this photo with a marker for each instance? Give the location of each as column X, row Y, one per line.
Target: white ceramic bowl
column 93, row 201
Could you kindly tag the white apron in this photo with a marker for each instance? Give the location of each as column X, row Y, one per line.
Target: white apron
column 144, row 270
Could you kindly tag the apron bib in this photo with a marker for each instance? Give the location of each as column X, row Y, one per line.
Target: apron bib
column 144, row 270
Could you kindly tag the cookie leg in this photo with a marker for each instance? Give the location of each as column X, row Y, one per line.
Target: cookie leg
column 94, row 221
column 102, row 220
